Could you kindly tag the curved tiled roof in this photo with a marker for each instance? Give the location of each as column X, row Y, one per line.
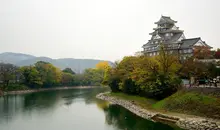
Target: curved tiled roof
column 175, row 37
column 172, row 31
column 165, row 19
column 186, row 43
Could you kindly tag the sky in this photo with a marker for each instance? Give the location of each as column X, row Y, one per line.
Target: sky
column 99, row 29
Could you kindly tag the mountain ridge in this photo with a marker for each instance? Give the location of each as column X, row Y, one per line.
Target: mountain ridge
column 21, row 59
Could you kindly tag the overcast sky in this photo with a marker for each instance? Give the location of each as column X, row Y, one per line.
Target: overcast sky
column 99, row 29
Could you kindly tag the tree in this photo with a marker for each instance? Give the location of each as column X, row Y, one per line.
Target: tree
column 194, row 68
column 49, row 74
column 103, row 68
column 69, row 70
column 125, row 69
column 93, row 77
column 168, row 63
column 104, row 65
column 202, row 52
column 111, row 78
column 67, row 79
column 217, row 54
column 154, row 77
column 31, row 77
column 7, row 73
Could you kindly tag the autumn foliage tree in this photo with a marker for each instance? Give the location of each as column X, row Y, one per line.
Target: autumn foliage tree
column 49, row 74
column 217, row 54
column 8, row 72
column 202, row 52
column 146, row 76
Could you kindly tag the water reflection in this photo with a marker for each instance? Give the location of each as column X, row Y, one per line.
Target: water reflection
column 72, row 109
column 123, row 119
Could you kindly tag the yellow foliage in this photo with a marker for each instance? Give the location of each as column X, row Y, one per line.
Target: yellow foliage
column 104, row 65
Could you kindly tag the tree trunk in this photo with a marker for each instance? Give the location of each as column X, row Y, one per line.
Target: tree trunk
column 1, row 92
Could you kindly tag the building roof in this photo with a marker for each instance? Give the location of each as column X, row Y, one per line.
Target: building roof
column 165, row 19
column 186, row 43
column 171, row 31
column 207, row 45
column 175, row 37
column 153, row 33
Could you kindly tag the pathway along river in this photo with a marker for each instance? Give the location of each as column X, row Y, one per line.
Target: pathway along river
column 75, row 109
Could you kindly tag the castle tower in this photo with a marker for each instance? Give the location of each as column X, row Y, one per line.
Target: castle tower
column 170, row 36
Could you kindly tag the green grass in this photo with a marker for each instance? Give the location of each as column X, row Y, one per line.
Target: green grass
column 182, row 98
column 191, row 103
column 141, row 101
column 184, row 102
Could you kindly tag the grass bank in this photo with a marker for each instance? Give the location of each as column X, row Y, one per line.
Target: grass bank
column 199, row 102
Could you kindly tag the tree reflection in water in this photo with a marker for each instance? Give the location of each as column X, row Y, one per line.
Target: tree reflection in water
column 49, row 107
column 125, row 120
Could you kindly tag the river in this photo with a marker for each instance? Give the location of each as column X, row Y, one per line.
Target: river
column 75, row 109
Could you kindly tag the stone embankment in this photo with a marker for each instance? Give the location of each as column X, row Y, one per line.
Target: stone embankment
column 186, row 122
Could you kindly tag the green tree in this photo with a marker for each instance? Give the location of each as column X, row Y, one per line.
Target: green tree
column 49, row 74
column 31, row 77
column 69, row 70
column 93, row 77
column 67, row 79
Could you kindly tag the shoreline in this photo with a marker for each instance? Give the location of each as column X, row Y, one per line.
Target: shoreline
column 186, row 122
column 43, row 89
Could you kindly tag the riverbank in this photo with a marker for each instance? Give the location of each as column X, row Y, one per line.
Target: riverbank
column 181, row 120
column 43, row 89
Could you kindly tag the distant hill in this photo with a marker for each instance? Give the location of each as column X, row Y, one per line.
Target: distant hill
column 13, row 58
column 19, row 59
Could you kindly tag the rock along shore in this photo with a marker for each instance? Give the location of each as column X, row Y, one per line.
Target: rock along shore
column 43, row 89
column 186, row 122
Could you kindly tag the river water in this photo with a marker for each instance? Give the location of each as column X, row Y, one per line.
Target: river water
column 75, row 109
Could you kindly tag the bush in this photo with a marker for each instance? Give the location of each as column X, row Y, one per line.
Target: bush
column 114, row 84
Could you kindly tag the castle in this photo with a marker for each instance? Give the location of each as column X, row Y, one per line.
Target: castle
column 169, row 35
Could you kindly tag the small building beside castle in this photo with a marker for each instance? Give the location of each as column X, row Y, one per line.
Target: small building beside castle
column 173, row 39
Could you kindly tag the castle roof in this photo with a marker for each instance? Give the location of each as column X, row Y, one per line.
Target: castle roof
column 165, row 19
column 175, row 37
column 186, row 43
